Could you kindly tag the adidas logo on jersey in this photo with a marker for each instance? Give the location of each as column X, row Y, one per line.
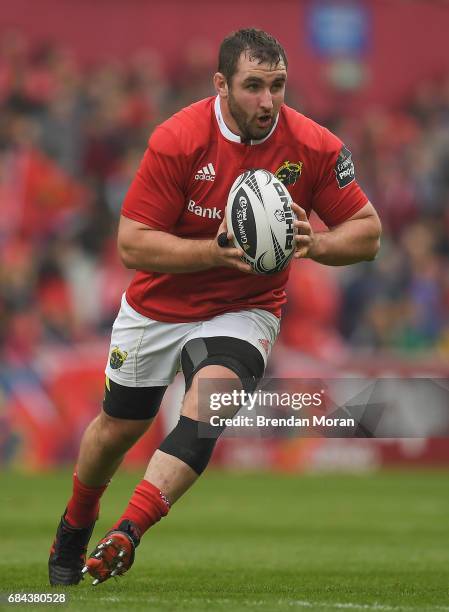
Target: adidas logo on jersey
column 206, row 173
column 210, row 213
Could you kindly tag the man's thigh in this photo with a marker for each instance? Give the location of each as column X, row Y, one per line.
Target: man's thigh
column 144, row 357
column 144, row 352
column 229, row 350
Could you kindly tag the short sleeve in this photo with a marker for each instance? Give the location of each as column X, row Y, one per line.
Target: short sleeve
column 336, row 196
column 156, row 195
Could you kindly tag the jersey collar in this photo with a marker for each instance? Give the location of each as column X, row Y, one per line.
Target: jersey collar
column 226, row 132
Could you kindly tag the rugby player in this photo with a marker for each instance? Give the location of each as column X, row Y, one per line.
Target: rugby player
column 193, row 304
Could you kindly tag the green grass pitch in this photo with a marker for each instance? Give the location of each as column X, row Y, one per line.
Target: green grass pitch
column 241, row 542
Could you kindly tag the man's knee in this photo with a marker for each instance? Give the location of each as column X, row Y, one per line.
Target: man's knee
column 197, row 399
column 226, row 363
column 194, row 438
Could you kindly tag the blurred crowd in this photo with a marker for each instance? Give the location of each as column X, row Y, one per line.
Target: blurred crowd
column 71, row 138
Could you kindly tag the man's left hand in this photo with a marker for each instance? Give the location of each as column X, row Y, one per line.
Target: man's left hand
column 305, row 236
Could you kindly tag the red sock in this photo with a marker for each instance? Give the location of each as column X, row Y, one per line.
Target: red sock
column 83, row 507
column 146, row 507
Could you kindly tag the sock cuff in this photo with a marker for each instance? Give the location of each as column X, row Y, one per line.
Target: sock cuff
column 83, row 507
column 85, row 488
column 152, row 493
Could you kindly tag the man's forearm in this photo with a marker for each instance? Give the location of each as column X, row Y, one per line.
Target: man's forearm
column 150, row 250
column 353, row 241
column 156, row 251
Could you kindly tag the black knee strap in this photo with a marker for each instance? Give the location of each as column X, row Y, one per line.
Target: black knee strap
column 185, row 444
column 238, row 355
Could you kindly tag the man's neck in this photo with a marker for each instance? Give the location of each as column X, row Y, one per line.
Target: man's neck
column 229, row 120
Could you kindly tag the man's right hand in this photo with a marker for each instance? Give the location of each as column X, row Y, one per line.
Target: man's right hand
column 227, row 256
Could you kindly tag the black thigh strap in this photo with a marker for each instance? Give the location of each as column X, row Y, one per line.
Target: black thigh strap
column 238, row 355
column 133, row 403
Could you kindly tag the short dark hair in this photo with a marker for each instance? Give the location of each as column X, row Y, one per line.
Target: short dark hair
column 258, row 44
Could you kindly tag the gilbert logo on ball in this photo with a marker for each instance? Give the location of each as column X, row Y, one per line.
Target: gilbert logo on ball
column 260, row 216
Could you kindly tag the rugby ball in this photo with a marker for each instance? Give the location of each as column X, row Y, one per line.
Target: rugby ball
column 260, row 216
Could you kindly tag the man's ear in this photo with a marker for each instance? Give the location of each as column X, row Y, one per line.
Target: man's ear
column 221, row 85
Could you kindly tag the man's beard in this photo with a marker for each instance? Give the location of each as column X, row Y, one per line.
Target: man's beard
column 249, row 131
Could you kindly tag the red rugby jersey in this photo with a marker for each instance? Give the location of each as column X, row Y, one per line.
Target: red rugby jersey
column 182, row 187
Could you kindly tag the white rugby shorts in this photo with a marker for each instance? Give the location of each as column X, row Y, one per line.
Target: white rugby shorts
column 147, row 353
